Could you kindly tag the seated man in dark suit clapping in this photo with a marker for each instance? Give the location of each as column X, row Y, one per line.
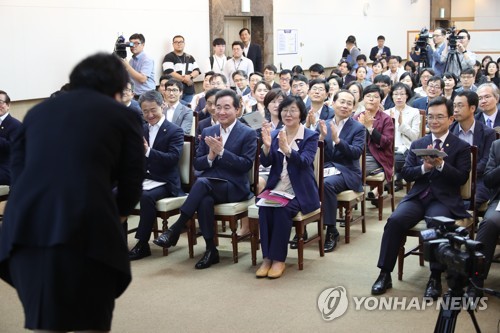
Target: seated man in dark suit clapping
column 225, row 155
column 163, row 143
column 436, row 192
column 7, row 131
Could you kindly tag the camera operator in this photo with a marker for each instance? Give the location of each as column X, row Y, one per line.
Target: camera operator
column 436, row 192
column 489, row 229
column 434, row 49
column 141, row 68
column 466, row 58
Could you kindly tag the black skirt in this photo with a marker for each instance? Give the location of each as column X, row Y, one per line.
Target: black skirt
column 63, row 290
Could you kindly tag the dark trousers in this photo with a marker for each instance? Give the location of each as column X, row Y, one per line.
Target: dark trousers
column 399, row 162
column 333, row 185
column 405, row 217
column 148, row 211
column 275, row 227
column 204, row 194
column 488, row 232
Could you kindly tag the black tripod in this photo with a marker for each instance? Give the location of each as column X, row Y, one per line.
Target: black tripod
column 422, row 61
column 452, row 55
column 450, row 308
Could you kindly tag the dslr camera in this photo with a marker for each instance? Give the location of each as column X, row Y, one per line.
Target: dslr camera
column 453, row 37
column 121, row 47
column 450, row 245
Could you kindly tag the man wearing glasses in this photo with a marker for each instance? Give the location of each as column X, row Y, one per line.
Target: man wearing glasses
column 176, row 112
column 182, row 67
column 488, row 103
column 435, row 87
column 436, row 192
column 9, row 126
column 140, row 68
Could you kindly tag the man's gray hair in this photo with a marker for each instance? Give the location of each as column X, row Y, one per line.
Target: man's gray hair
column 494, row 88
column 151, row 96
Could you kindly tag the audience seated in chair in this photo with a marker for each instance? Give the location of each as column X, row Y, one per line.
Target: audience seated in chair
column 474, row 133
column 163, row 143
column 7, row 131
column 290, row 152
column 225, row 155
column 175, row 111
column 436, row 192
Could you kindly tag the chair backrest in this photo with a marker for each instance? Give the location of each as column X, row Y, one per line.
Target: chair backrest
column 468, row 190
column 253, row 173
column 423, row 123
column 194, row 125
column 186, row 168
column 319, row 161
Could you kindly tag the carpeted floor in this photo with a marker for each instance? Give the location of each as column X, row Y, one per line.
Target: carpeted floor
column 169, row 295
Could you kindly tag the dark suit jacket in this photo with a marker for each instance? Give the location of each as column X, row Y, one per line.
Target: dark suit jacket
column 483, row 138
column 347, row 79
column 8, row 128
column 388, row 103
column 492, row 171
column 207, row 122
column 68, row 155
column 164, row 156
column 183, row 117
column 300, row 169
column 236, row 161
column 255, row 54
column 374, row 52
column 445, row 184
column 326, row 113
column 421, row 103
column 345, row 155
column 479, row 116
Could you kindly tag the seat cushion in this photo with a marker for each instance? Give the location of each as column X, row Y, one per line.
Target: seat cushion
column 166, row 204
column 420, row 226
column 300, row 216
column 4, row 190
column 233, row 208
column 379, row 177
column 253, row 211
column 349, row 195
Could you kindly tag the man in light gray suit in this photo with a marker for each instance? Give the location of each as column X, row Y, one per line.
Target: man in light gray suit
column 174, row 111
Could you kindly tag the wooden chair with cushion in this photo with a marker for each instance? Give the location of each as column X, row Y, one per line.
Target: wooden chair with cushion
column 467, row 192
column 231, row 213
column 300, row 220
column 168, row 207
column 4, row 195
column 423, row 127
column 349, row 199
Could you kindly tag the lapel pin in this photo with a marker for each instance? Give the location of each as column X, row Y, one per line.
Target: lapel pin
column 164, row 130
column 447, row 145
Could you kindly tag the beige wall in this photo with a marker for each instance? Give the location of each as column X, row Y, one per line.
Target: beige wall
column 462, row 8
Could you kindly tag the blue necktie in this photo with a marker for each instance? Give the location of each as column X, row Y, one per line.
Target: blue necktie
column 489, row 123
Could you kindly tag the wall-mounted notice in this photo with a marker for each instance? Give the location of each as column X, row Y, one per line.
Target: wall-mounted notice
column 288, row 42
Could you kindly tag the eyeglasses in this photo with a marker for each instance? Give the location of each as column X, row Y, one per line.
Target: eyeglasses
column 372, row 96
column 438, row 118
column 136, row 43
column 317, row 89
column 179, row 42
column 172, row 90
column 2, row 102
column 290, row 111
column 432, row 87
column 485, row 97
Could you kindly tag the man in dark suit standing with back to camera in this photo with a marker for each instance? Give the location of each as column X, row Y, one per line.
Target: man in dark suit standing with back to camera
column 62, row 245
column 436, row 192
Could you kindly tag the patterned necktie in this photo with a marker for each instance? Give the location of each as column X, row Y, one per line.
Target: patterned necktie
column 437, row 144
column 489, row 123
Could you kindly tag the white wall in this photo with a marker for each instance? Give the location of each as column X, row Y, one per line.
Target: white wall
column 487, row 14
column 462, row 8
column 323, row 27
column 44, row 39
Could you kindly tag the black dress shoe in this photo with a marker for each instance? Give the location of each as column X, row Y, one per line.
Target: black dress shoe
column 209, row 258
column 294, row 244
column 384, row 282
column 331, row 241
column 433, row 289
column 167, row 239
column 139, row 251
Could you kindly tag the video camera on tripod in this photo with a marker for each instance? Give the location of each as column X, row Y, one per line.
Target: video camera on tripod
column 121, row 47
column 453, row 37
column 422, row 39
column 450, row 245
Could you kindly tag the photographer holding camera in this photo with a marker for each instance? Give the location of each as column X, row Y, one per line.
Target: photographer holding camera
column 457, row 45
column 434, row 47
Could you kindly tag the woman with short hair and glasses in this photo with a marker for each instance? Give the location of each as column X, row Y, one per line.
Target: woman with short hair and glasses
column 290, row 153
